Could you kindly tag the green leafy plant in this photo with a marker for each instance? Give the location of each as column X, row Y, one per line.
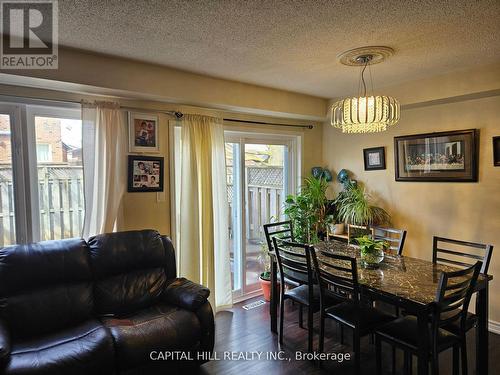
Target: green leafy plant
column 369, row 246
column 265, row 261
column 354, row 207
column 309, row 211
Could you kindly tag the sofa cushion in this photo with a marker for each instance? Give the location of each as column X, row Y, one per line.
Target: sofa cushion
column 157, row 328
column 45, row 287
column 129, row 270
column 83, row 349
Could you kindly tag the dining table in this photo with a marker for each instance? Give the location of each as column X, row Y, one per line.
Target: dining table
column 408, row 283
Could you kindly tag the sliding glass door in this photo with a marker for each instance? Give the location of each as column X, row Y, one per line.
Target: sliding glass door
column 261, row 171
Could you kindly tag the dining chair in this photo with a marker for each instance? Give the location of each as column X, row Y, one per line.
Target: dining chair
column 443, row 254
column 294, row 263
column 282, row 230
column 354, row 231
column 395, row 238
column 337, row 277
column 452, row 300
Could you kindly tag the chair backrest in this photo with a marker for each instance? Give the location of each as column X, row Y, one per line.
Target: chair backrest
column 131, row 270
column 453, row 295
column 337, row 276
column 395, row 238
column 294, row 261
column 354, row 231
column 45, row 287
column 465, row 255
column 282, row 230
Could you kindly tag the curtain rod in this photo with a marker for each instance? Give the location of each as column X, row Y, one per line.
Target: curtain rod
column 270, row 123
column 176, row 114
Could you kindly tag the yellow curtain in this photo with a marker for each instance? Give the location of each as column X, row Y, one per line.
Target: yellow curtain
column 203, row 231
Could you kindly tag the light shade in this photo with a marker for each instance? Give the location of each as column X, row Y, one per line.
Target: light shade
column 365, row 114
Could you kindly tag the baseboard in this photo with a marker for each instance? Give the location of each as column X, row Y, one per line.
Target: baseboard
column 494, row 327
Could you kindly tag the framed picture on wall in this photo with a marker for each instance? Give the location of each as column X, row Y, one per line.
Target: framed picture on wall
column 441, row 157
column 496, row 151
column 145, row 173
column 374, row 158
column 143, row 132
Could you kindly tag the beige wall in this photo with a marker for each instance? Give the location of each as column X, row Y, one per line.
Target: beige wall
column 467, row 211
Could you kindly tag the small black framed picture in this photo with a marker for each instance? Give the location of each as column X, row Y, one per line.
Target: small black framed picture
column 374, row 158
column 145, row 173
column 496, row 151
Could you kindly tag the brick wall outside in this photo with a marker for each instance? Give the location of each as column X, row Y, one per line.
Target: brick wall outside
column 48, row 131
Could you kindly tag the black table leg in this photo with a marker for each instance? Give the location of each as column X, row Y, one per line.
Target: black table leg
column 274, row 296
column 423, row 342
column 482, row 331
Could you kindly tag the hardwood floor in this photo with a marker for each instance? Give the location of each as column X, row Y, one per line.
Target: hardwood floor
column 239, row 330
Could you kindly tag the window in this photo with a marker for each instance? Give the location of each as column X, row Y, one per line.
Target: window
column 46, row 169
column 43, row 152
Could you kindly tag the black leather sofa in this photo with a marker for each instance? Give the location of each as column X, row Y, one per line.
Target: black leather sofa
column 106, row 306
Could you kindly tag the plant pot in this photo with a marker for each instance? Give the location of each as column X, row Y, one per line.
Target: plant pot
column 339, row 228
column 266, row 288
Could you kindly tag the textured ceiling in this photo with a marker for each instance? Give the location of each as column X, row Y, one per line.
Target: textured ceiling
column 290, row 45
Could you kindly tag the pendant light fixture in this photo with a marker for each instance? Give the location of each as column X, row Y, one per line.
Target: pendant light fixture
column 365, row 114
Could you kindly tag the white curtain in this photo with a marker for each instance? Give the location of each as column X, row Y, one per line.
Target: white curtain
column 104, row 165
column 203, row 224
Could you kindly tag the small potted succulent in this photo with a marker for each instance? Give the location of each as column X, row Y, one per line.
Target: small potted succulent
column 372, row 251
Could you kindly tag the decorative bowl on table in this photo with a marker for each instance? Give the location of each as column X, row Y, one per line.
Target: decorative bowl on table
column 372, row 251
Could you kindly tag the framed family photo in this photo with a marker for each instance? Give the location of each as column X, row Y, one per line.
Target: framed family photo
column 374, row 158
column 145, row 173
column 143, row 132
column 442, row 157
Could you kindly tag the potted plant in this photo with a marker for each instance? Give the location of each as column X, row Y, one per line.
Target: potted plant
column 354, row 207
column 372, row 251
column 265, row 276
column 309, row 210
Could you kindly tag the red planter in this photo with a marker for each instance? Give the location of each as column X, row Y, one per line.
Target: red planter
column 266, row 288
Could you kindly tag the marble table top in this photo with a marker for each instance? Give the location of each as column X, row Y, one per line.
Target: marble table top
column 407, row 278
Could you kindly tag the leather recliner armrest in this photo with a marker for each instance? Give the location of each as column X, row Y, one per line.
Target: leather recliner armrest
column 4, row 343
column 186, row 294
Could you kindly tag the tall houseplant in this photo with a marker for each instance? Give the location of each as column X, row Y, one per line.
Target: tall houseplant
column 309, row 210
column 354, row 207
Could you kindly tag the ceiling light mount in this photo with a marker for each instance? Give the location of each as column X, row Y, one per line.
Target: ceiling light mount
column 365, row 114
column 358, row 56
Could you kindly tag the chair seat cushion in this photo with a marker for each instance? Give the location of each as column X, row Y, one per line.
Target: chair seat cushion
column 366, row 318
column 161, row 327
column 84, row 349
column 454, row 327
column 405, row 332
column 301, row 294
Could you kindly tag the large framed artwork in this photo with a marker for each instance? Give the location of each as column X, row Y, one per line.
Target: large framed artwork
column 374, row 158
column 145, row 173
column 442, row 157
column 143, row 132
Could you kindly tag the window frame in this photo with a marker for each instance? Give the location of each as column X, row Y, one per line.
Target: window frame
column 22, row 113
column 32, row 111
